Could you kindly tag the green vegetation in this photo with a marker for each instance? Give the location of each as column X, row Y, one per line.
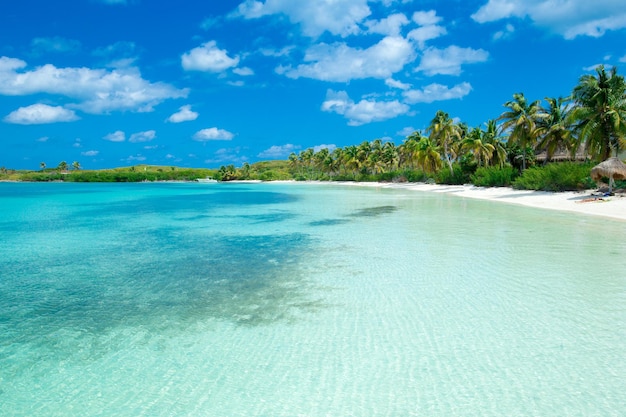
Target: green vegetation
column 127, row 174
column 550, row 146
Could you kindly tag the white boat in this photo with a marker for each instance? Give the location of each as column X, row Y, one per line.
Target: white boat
column 207, row 179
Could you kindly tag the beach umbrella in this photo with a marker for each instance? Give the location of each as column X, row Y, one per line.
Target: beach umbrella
column 612, row 168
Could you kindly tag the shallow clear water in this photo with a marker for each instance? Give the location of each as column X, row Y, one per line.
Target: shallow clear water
column 304, row 300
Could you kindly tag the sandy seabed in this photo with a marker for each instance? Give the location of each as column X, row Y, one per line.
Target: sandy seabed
column 585, row 202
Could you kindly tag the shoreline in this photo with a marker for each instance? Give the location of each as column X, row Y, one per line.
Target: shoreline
column 587, row 202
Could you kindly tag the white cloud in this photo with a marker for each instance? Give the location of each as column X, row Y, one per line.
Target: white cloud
column 406, row 131
column 330, row 147
column 117, row 136
column 437, row 92
column 508, row 31
column 146, row 136
column 365, row 111
column 623, row 59
column 315, row 16
column 40, row 114
column 135, row 158
column 426, row 18
column 390, row 26
column 570, row 18
column 244, row 72
column 390, row 82
column 449, row 61
column 184, row 114
column 426, row 33
column 90, row 153
column 208, row 57
column 98, row 90
column 213, row 133
column 339, row 62
column 277, row 53
column 278, row 151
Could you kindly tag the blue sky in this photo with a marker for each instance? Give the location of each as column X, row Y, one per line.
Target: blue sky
column 195, row 83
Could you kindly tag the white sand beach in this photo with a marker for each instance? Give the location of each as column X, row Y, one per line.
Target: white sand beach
column 586, row 202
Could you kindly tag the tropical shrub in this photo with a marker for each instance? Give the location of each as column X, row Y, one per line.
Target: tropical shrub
column 457, row 177
column 563, row 176
column 494, row 176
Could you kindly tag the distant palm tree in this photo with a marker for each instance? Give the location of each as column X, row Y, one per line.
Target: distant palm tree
column 428, row 155
column 600, row 112
column 409, row 149
column 521, row 121
column 555, row 129
column 76, row 165
column 446, row 134
column 492, row 136
column 42, row 165
column 62, row 166
column 481, row 150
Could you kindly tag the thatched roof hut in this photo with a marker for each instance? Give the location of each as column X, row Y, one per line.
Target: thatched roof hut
column 612, row 169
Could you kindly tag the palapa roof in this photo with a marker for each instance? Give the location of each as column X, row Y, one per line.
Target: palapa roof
column 611, row 168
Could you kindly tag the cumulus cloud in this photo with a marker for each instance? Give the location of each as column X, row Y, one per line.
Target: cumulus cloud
column 184, row 114
column 568, row 18
column 426, row 33
column 97, row 90
column 437, row 92
column 244, row 72
column 208, row 57
column 277, row 151
column 339, row 62
column 146, row 136
column 390, row 82
column 390, row 26
column 90, row 153
column 449, row 61
column 314, row 16
column 40, row 114
column 117, row 136
column 363, row 112
column 213, row 133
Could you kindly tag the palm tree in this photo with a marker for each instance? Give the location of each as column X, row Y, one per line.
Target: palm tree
column 351, row 158
column 428, row 155
column 42, row 165
column 521, row 122
column 492, row 136
column 390, row 156
column 320, row 159
column 62, row 166
column 409, row 148
column 76, row 165
column 600, row 112
column 306, row 157
column 245, row 171
column 480, row 149
column 446, row 134
column 554, row 129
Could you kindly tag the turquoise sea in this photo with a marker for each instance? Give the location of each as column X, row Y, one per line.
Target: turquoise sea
column 275, row 299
